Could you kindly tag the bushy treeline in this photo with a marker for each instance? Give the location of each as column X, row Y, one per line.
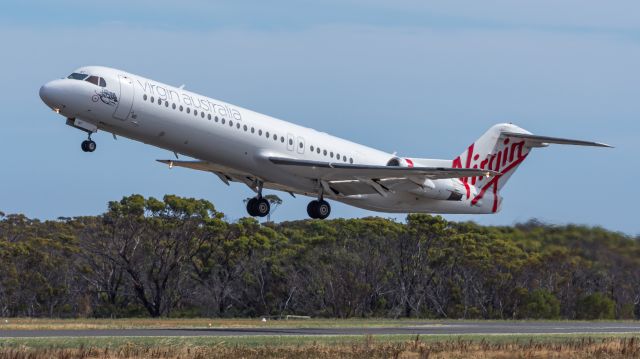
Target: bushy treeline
column 180, row 257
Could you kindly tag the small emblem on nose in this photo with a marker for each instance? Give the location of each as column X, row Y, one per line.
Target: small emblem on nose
column 106, row 97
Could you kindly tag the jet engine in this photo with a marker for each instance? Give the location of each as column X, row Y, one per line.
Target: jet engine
column 400, row 162
column 441, row 189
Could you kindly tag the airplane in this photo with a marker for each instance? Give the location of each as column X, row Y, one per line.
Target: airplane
column 240, row 145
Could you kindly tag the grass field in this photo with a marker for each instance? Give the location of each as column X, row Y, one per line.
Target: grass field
column 463, row 346
column 134, row 323
column 164, row 323
column 342, row 346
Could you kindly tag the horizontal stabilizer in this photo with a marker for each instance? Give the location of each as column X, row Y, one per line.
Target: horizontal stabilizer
column 555, row 140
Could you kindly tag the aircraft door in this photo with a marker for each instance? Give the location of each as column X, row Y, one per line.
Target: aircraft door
column 300, row 145
column 290, row 142
column 125, row 102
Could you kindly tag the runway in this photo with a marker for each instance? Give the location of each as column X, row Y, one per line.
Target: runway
column 427, row 328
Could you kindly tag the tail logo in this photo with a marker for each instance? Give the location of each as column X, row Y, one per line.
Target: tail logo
column 507, row 158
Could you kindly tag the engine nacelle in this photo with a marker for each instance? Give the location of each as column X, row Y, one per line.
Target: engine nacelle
column 442, row 189
column 400, row 162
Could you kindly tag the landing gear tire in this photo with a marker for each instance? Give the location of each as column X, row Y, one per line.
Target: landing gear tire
column 258, row 207
column 318, row 209
column 88, row 146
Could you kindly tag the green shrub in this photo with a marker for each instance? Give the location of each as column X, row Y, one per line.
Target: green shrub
column 541, row 304
column 595, row 306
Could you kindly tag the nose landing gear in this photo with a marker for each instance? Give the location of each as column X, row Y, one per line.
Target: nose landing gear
column 88, row 145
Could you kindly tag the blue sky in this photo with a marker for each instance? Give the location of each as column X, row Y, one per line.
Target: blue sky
column 420, row 78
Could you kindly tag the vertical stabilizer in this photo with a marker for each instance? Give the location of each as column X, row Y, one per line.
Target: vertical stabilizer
column 495, row 152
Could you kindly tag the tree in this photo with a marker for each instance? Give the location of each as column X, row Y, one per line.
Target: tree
column 274, row 203
column 154, row 249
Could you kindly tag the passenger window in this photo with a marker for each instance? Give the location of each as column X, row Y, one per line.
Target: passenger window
column 311, row 148
column 253, row 130
column 223, row 121
column 291, row 142
column 202, row 114
column 159, row 101
column 259, row 132
column 209, row 116
column 195, row 112
column 331, row 154
column 215, row 118
column 144, row 97
column 267, row 135
column 275, row 137
column 188, row 110
column 238, row 125
column 301, row 145
column 103, row 83
column 166, row 104
column 282, row 139
column 245, row 128
column 173, row 106
column 181, row 108
column 230, row 123
column 152, row 100
column 94, row 80
column 350, row 160
column 318, row 150
column 324, row 152
column 338, row 156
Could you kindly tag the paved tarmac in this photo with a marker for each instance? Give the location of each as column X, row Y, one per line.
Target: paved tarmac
column 426, row 328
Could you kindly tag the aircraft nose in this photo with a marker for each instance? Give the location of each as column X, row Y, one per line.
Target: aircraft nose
column 45, row 90
column 50, row 94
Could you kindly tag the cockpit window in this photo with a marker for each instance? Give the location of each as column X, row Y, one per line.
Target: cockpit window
column 77, row 76
column 98, row 81
column 94, row 80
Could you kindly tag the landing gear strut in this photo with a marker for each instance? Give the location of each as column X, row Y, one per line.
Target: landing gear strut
column 88, row 145
column 258, row 206
column 319, row 209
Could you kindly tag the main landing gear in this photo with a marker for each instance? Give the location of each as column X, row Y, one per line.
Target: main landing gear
column 319, row 209
column 88, row 145
column 258, row 206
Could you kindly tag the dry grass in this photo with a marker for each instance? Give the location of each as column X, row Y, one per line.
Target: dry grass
column 366, row 349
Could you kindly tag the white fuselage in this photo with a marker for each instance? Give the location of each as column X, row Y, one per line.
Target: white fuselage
column 232, row 137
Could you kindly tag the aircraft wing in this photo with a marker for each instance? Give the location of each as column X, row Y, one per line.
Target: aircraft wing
column 331, row 171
